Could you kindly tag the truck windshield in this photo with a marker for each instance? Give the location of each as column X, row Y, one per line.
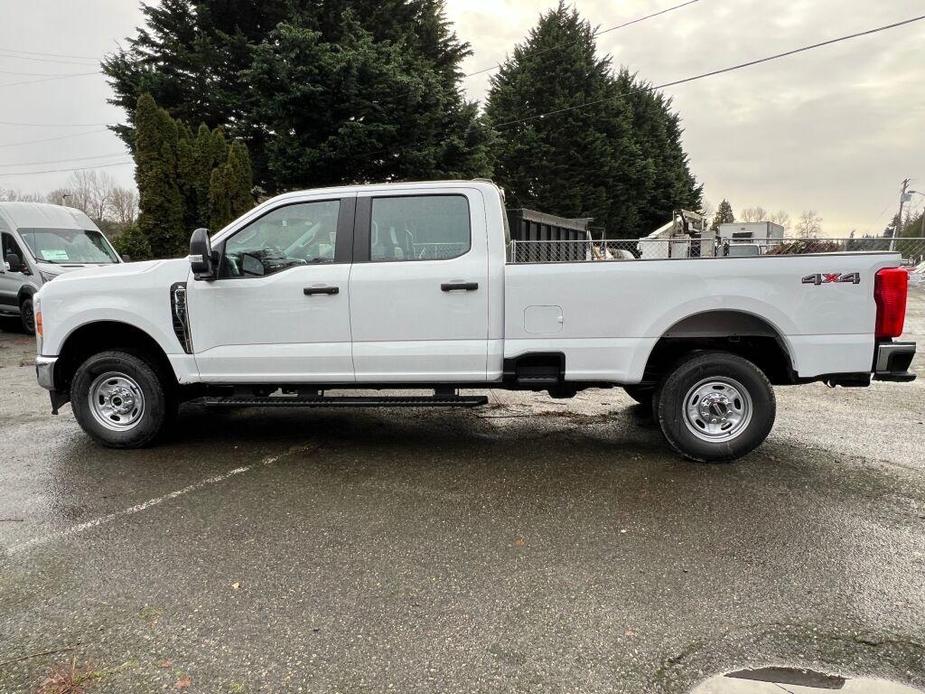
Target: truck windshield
column 68, row 246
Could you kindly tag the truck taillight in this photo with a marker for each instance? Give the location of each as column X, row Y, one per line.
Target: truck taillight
column 891, row 286
column 39, row 325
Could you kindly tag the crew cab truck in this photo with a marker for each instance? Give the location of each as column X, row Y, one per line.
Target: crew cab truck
column 412, row 286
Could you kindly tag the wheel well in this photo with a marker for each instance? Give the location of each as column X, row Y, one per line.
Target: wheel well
column 740, row 333
column 105, row 335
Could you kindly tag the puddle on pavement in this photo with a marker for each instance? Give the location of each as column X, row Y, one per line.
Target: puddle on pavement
column 774, row 680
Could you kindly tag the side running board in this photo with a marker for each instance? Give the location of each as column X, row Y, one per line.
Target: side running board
column 350, row 401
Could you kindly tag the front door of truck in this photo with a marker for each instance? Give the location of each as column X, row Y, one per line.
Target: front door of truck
column 419, row 287
column 278, row 311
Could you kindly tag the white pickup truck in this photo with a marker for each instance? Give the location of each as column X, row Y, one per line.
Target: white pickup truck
column 412, row 286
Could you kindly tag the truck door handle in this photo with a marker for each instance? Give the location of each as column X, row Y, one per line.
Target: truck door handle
column 309, row 291
column 454, row 286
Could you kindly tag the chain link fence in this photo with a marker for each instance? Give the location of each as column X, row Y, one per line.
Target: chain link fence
column 912, row 250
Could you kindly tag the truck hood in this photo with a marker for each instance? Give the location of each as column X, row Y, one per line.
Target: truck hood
column 54, row 270
column 116, row 277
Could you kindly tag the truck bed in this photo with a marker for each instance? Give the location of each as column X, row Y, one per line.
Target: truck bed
column 607, row 316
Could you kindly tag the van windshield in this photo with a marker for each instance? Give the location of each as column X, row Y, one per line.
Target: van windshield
column 68, row 246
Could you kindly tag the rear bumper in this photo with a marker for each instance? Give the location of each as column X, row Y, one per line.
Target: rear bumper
column 45, row 371
column 892, row 360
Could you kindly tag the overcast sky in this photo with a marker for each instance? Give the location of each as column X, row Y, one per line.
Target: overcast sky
column 834, row 129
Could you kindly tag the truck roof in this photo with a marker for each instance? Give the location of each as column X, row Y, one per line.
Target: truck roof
column 40, row 215
column 376, row 187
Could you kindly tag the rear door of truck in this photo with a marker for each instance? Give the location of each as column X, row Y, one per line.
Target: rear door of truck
column 419, row 286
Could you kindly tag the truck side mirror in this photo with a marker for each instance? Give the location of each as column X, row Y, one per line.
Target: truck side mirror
column 14, row 263
column 200, row 255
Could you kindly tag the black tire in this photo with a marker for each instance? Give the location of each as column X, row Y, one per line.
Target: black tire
column 725, row 387
column 27, row 315
column 130, row 374
column 641, row 394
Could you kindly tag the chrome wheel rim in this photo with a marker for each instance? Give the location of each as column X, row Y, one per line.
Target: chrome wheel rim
column 717, row 409
column 116, row 401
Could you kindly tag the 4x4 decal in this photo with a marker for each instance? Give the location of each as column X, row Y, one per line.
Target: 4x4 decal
column 831, row 277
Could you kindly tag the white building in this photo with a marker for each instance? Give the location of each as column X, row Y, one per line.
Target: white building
column 750, row 232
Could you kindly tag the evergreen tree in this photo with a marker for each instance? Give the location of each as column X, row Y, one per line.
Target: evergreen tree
column 219, row 199
column 184, row 182
column 204, row 160
column 723, row 215
column 670, row 184
column 241, row 65
column 611, row 148
column 133, row 244
column 239, row 179
column 160, row 218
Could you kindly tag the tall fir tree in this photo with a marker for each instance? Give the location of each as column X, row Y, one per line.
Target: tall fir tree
column 239, row 179
column 610, row 149
column 219, row 199
column 184, row 181
column 160, row 218
column 723, row 215
column 230, row 188
column 392, row 67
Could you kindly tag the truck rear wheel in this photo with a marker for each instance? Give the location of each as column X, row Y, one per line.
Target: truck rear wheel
column 120, row 400
column 715, row 407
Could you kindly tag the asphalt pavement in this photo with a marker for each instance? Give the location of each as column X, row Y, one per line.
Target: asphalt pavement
column 530, row 545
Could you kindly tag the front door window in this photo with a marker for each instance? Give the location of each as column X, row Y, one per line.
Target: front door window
column 300, row 234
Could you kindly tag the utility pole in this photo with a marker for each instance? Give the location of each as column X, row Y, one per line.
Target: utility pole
column 903, row 197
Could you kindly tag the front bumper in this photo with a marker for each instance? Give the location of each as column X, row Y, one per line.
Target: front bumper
column 892, row 360
column 45, row 371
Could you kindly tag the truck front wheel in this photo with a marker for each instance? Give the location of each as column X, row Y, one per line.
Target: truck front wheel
column 715, row 407
column 120, row 400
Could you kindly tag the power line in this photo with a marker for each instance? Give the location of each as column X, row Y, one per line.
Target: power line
column 46, row 60
column 595, row 33
column 37, row 74
column 48, row 79
column 54, row 139
column 52, row 55
column 720, row 71
column 52, row 125
column 78, row 168
column 63, row 161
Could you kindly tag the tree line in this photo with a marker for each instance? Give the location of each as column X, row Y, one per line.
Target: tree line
column 185, row 180
column 808, row 225
column 310, row 94
column 113, row 208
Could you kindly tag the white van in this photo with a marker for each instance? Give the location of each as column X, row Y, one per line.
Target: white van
column 40, row 242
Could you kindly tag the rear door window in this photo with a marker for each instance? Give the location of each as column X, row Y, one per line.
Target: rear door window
column 419, row 227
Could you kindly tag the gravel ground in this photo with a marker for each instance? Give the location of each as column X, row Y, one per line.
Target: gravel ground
column 531, row 545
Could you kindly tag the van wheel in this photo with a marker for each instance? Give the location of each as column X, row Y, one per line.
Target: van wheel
column 27, row 315
column 120, row 400
column 715, row 407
